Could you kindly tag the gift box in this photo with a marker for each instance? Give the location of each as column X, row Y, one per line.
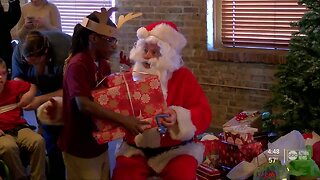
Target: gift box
column 205, row 172
column 141, row 97
column 239, row 135
column 248, row 118
column 211, row 149
column 230, row 155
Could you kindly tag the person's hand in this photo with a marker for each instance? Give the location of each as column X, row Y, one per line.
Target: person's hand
column 124, row 59
column 29, row 23
column 1, row 133
column 25, row 100
column 134, row 125
column 171, row 120
column 34, row 104
column 40, row 23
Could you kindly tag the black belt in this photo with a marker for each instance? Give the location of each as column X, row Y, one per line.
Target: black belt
column 14, row 131
column 151, row 152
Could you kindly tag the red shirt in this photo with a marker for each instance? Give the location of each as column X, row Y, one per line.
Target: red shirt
column 79, row 80
column 11, row 94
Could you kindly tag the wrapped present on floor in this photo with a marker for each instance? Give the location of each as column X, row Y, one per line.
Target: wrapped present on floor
column 211, row 152
column 142, row 98
column 239, row 135
column 230, row 155
column 205, row 172
column 249, row 118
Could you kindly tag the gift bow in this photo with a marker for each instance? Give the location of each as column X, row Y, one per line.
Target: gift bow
column 241, row 116
column 128, row 93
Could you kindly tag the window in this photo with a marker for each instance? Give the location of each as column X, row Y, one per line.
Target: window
column 73, row 11
column 259, row 24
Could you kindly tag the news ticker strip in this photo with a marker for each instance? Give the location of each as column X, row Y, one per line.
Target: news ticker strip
column 288, row 155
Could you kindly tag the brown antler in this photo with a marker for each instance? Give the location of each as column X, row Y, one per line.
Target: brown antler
column 104, row 14
column 122, row 19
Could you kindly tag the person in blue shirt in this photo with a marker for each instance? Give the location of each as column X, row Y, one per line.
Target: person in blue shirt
column 40, row 60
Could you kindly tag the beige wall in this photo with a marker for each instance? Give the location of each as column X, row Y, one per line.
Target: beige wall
column 230, row 86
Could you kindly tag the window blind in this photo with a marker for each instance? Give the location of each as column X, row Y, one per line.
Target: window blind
column 73, row 11
column 263, row 24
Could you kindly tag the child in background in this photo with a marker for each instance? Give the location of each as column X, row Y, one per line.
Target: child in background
column 14, row 130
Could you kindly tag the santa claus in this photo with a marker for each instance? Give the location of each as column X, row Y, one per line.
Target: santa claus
column 174, row 155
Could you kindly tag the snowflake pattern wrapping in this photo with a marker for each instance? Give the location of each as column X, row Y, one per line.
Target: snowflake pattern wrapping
column 142, row 98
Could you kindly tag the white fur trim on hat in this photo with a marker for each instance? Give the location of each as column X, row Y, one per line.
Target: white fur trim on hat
column 43, row 116
column 185, row 129
column 165, row 33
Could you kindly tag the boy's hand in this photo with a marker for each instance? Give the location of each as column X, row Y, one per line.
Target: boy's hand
column 134, row 125
column 171, row 120
column 1, row 133
column 25, row 100
column 34, row 104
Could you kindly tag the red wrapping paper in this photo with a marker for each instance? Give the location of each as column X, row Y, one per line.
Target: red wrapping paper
column 211, row 152
column 230, row 155
column 205, row 172
column 239, row 135
column 142, row 98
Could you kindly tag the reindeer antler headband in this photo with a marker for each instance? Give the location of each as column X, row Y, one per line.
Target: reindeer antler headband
column 103, row 16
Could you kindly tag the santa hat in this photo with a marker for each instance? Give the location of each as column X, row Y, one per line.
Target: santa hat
column 43, row 112
column 165, row 31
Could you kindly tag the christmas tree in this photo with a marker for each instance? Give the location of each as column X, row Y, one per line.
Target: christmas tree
column 296, row 97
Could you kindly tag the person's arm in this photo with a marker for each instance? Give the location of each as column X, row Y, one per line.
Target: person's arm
column 19, row 66
column 23, row 26
column 38, row 100
column 20, row 30
column 14, row 12
column 88, row 106
column 27, row 97
column 55, row 19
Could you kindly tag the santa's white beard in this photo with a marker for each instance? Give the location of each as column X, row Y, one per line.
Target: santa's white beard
column 155, row 69
column 163, row 66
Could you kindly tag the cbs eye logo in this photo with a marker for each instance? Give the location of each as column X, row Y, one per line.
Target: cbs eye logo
column 292, row 155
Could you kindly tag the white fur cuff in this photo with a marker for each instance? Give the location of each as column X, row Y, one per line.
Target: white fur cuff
column 185, row 129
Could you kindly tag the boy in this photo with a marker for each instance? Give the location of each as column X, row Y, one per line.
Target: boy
column 14, row 131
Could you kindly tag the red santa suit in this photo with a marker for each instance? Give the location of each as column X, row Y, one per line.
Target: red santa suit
column 174, row 155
